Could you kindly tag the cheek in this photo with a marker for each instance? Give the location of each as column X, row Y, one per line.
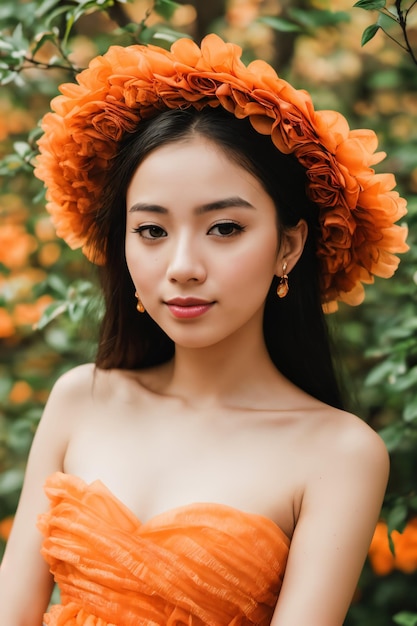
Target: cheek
column 145, row 268
column 134, row 262
column 250, row 275
column 259, row 260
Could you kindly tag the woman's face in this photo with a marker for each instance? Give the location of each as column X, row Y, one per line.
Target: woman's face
column 201, row 242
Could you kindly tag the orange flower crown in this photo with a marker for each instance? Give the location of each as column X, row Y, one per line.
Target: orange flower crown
column 357, row 208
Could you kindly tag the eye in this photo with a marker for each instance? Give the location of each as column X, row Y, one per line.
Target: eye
column 226, row 229
column 150, row 231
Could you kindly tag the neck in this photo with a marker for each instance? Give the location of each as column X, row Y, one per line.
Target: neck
column 237, row 372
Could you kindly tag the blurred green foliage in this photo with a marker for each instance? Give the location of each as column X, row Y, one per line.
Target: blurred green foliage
column 49, row 303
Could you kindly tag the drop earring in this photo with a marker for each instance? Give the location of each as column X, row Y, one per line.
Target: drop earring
column 139, row 305
column 283, row 287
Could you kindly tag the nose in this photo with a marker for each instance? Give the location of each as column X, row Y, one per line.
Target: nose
column 186, row 262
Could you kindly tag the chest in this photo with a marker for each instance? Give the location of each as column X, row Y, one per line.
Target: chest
column 155, row 460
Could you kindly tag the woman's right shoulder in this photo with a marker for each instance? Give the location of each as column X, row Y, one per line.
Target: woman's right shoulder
column 80, row 390
column 73, row 399
column 70, row 392
column 74, row 377
column 80, row 380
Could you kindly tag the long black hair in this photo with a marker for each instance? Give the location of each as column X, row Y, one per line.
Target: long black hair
column 295, row 330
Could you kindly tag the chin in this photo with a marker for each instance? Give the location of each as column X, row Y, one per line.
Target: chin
column 192, row 340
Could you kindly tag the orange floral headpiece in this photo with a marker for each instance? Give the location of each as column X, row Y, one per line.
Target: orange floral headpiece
column 357, row 208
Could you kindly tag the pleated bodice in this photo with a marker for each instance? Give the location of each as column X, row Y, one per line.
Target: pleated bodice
column 198, row 564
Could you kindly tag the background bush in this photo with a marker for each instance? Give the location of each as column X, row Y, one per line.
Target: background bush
column 47, row 292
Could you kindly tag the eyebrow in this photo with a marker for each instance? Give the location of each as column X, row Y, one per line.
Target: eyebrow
column 217, row 205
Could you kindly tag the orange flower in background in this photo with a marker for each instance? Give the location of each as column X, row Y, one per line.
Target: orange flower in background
column 6, row 527
column 357, row 209
column 7, row 328
column 29, row 313
column 14, row 120
column 44, row 229
column 49, row 254
column 15, row 245
column 242, row 13
column 405, row 559
column 20, row 392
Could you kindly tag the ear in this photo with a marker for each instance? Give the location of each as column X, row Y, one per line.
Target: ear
column 292, row 246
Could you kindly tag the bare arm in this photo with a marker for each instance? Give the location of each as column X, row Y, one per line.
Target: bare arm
column 25, row 582
column 340, row 508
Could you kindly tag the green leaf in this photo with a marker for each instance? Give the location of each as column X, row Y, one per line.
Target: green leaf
column 382, row 372
column 42, row 39
column 45, row 7
column 5, row 45
column 370, row 5
column 165, row 8
column 392, row 11
column 58, row 339
column 6, row 384
column 168, row 35
column 280, row 24
column 20, row 435
column 391, row 544
column 57, row 284
column 161, row 34
column 12, row 162
column 393, row 435
column 315, row 18
column 11, row 481
column 51, row 312
column 70, row 23
column 56, row 13
column 88, row 6
column 405, row 618
column 406, row 381
column 22, row 149
column 397, row 517
column 410, row 411
column 387, row 20
column 369, row 33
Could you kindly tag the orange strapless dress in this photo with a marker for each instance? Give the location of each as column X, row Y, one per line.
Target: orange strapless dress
column 199, row 564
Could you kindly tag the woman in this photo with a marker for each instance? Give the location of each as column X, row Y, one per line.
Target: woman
column 203, row 471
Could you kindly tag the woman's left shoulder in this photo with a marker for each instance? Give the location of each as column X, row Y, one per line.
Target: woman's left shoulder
column 348, row 439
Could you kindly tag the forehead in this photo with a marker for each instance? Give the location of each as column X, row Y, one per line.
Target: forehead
column 186, row 184
column 193, row 166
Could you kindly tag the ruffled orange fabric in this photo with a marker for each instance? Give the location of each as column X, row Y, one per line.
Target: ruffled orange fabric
column 198, row 564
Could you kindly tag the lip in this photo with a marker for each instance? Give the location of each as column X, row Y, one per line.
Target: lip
column 187, row 301
column 188, row 307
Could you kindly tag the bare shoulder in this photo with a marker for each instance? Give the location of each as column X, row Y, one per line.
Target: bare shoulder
column 61, row 408
column 78, row 378
column 351, row 435
column 69, row 394
column 75, row 401
column 84, row 381
column 347, row 445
